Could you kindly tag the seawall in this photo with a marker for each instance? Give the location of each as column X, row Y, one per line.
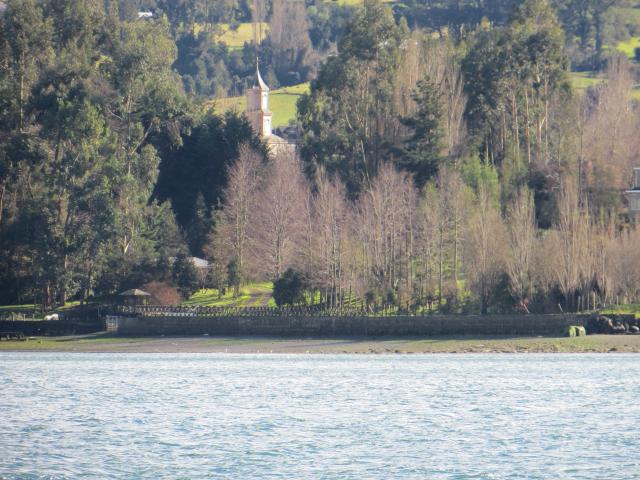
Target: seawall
column 433, row 325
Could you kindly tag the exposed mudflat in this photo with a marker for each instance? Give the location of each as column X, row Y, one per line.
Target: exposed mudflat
column 204, row 344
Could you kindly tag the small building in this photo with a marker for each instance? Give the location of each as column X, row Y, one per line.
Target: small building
column 145, row 14
column 633, row 196
column 135, row 297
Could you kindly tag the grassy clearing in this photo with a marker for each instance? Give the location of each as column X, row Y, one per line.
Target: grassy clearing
column 629, row 47
column 252, row 295
column 234, row 39
column 632, row 308
column 282, row 102
column 29, row 309
column 581, row 81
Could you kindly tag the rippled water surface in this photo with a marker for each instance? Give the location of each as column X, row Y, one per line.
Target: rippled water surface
column 276, row 416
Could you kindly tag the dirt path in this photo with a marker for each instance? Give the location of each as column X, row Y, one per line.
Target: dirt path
column 259, row 297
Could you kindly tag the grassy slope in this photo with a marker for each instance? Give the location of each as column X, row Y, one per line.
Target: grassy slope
column 234, row 39
column 282, row 102
column 629, row 47
column 583, row 80
column 252, row 295
column 29, row 309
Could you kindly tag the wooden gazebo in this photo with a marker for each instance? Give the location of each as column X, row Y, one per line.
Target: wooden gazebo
column 135, row 297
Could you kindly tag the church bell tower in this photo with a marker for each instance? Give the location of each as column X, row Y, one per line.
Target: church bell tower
column 258, row 106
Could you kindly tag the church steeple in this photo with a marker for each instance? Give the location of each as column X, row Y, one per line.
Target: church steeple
column 258, row 106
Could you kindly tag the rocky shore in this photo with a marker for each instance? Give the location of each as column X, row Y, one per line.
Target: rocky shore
column 613, row 325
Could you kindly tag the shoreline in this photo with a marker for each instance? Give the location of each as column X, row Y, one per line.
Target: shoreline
column 108, row 343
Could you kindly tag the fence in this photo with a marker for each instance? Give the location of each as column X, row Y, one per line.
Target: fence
column 199, row 311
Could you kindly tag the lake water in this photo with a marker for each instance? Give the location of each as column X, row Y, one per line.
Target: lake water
column 345, row 417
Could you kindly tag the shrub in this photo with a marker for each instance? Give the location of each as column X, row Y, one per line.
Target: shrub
column 576, row 331
column 162, row 293
column 290, row 288
column 185, row 275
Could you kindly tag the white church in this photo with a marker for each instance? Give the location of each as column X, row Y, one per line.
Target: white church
column 261, row 118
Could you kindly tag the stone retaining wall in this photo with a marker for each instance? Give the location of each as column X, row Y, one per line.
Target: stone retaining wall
column 435, row 325
column 51, row 327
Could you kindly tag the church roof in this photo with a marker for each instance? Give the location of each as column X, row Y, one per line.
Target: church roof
column 273, row 138
column 263, row 86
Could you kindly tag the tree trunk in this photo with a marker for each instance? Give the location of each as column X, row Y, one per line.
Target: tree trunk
column 526, row 125
column 2, row 192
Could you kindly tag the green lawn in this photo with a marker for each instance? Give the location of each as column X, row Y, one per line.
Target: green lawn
column 234, row 39
column 583, row 80
column 282, row 102
column 622, row 309
column 30, row 309
column 629, row 47
column 252, row 295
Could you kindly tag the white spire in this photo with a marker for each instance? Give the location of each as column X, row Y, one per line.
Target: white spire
column 263, row 86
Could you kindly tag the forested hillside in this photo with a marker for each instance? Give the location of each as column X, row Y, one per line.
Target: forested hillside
column 446, row 159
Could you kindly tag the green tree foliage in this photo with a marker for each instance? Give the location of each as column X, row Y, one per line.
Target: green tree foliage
column 25, row 41
column 78, row 165
column 513, row 75
column 589, row 24
column 203, row 65
column 422, row 151
column 192, row 175
column 290, row 289
column 586, row 21
column 185, row 275
column 327, row 21
column 344, row 118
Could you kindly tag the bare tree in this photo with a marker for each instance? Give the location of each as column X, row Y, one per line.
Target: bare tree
column 454, row 201
column 521, row 224
column 386, row 219
column 568, row 243
column 625, row 266
column 240, row 197
column 329, row 237
column 279, row 218
column 289, row 33
column 430, row 246
column 435, row 59
column 610, row 140
column 484, row 246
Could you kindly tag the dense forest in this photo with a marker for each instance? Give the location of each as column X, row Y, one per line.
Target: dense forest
column 446, row 162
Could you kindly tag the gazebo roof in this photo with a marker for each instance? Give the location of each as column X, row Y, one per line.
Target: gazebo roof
column 134, row 292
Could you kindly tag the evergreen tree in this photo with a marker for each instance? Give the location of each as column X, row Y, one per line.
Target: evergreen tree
column 345, row 117
column 421, row 154
column 185, row 275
